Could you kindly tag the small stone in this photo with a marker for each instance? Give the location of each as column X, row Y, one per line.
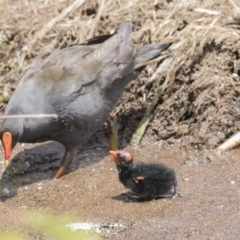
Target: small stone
column 6, row 192
column 27, row 164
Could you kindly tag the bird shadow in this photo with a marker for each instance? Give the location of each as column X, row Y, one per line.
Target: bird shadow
column 130, row 197
column 40, row 163
column 42, row 160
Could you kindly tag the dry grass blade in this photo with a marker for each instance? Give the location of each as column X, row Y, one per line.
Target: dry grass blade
column 97, row 18
column 157, row 59
column 42, row 33
column 234, row 5
column 160, row 70
column 207, row 11
column 231, row 143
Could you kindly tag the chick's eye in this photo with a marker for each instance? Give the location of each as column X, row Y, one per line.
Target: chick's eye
column 120, row 156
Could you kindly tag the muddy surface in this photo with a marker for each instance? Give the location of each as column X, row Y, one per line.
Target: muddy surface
column 202, row 77
column 208, row 184
column 198, row 110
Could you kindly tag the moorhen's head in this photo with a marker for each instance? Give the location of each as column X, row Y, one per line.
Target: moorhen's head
column 10, row 134
column 122, row 158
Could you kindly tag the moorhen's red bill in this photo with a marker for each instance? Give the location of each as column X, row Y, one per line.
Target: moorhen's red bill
column 81, row 85
column 146, row 180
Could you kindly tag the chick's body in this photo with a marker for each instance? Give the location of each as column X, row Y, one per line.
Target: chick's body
column 147, row 180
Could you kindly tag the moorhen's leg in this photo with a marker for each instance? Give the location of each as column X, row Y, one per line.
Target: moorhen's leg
column 66, row 161
column 113, row 125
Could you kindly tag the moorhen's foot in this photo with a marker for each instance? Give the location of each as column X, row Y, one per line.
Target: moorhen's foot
column 113, row 125
column 66, row 161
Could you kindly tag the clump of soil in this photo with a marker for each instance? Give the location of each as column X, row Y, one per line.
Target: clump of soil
column 200, row 105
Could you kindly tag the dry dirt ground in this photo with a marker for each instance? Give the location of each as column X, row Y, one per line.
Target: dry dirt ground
column 207, row 208
column 198, row 110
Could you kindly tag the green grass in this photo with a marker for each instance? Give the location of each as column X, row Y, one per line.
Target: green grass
column 46, row 226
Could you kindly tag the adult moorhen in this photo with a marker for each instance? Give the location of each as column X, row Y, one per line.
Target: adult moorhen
column 147, row 180
column 80, row 85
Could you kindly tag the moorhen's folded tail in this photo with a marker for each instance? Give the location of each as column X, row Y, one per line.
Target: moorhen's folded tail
column 148, row 52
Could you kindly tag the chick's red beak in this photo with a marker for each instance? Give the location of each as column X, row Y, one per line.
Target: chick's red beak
column 115, row 156
column 7, row 145
column 113, row 153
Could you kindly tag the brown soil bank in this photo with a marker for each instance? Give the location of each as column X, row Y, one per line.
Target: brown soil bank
column 200, row 105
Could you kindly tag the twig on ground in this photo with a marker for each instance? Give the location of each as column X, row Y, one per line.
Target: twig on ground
column 231, row 143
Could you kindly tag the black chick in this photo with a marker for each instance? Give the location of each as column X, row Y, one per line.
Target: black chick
column 147, row 180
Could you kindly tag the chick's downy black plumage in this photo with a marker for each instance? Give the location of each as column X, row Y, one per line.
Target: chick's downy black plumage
column 146, row 180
